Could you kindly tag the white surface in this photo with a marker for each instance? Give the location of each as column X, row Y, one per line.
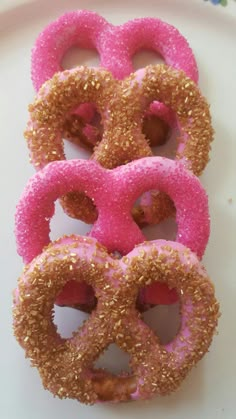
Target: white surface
column 209, row 391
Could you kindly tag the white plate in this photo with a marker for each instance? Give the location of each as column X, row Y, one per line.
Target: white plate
column 209, row 390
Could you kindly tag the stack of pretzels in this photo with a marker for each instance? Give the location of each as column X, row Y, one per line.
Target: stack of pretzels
column 114, row 273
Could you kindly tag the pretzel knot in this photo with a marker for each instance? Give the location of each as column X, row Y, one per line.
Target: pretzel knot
column 66, row 365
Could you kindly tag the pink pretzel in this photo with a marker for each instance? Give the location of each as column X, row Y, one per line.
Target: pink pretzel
column 66, row 366
column 114, row 227
column 115, row 45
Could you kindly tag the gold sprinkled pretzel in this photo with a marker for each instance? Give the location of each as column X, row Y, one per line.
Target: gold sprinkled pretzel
column 66, row 365
column 121, row 105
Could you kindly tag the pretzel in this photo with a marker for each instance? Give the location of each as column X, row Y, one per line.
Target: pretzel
column 122, row 140
column 115, row 44
column 66, row 365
